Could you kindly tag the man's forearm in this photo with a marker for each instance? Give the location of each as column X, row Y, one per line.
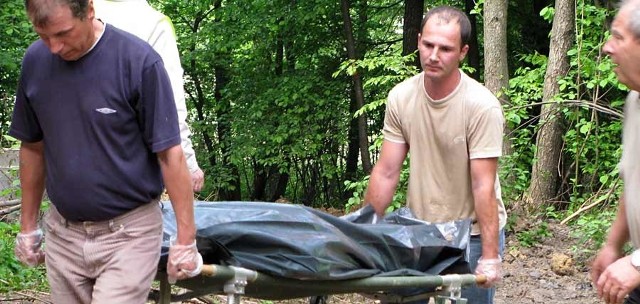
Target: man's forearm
column 31, row 183
column 486, row 208
column 385, row 176
column 483, row 177
column 380, row 191
column 178, row 182
column 619, row 232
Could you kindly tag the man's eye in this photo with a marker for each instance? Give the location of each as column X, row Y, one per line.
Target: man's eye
column 61, row 34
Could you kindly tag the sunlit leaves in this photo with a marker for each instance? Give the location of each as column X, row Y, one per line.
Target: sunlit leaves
column 14, row 40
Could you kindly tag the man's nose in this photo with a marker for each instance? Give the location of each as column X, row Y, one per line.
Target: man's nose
column 434, row 54
column 55, row 45
column 607, row 48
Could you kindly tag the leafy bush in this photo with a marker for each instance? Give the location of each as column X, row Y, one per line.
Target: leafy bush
column 530, row 238
column 591, row 229
column 525, row 89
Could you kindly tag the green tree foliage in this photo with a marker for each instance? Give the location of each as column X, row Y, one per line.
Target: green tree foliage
column 591, row 100
column 15, row 37
column 286, row 98
column 270, row 97
column 593, row 141
column 285, row 111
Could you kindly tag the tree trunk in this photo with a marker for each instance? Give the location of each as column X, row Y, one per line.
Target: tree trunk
column 232, row 192
column 200, row 99
column 279, row 187
column 259, row 182
column 357, row 86
column 545, row 176
column 496, row 67
column 473, row 56
column 413, row 11
column 351, row 161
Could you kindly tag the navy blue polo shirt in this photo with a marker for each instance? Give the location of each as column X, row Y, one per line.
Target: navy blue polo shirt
column 102, row 119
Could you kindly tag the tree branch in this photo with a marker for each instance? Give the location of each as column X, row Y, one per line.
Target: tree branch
column 9, row 210
column 598, row 201
column 9, row 203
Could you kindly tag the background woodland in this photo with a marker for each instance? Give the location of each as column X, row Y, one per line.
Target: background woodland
column 286, row 99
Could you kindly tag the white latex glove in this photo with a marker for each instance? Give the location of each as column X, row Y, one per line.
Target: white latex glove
column 491, row 269
column 184, row 261
column 28, row 248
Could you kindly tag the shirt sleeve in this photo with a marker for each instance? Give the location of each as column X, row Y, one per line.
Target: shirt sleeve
column 486, row 134
column 157, row 110
column 392, row 129
column 24, row 123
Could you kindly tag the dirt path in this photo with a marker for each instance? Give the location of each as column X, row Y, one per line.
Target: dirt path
column 546, row 273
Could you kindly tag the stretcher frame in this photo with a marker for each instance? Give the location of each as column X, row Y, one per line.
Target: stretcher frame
column 236, row 282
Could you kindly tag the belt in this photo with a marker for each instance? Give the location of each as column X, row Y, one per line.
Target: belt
column 111, row 225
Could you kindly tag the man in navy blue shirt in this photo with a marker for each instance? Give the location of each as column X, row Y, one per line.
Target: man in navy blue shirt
column 99, row 129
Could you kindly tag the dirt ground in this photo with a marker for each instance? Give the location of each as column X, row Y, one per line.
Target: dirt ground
column 549, row 272
column 546, row 273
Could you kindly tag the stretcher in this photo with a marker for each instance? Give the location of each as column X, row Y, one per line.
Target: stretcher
column 236, row 282
column 280, row 251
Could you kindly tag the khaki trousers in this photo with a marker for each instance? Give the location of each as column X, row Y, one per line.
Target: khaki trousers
column 111, row 261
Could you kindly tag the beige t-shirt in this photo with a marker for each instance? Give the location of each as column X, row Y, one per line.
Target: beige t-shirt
column 443, row 135
column 630, row 166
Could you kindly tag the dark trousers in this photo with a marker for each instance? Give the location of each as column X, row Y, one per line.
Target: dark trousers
column 478, row 295
column 634, row 297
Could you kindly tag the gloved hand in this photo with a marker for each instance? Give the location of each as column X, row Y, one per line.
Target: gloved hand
column 492, row 269
column 28, row 248
column 184, row 261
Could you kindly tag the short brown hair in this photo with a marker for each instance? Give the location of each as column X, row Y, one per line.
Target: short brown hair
column 39, row 10
column 447, row 14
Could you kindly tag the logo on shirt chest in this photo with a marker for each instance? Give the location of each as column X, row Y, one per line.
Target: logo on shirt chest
column 458, row 140
column 106, row 110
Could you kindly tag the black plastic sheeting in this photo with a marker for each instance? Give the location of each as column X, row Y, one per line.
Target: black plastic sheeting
column 298, row 242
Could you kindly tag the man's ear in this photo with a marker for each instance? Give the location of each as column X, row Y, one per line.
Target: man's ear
column 463, row 51
column 91, row 11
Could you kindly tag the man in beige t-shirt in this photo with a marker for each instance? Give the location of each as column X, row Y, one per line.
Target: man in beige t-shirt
column 615, row 274
column 453, row 127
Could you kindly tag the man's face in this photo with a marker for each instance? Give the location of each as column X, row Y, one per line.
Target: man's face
column 440, row 48
column 67, row 36
column 624, row 49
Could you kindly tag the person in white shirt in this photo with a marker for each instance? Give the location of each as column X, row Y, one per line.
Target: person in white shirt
column 139, row 18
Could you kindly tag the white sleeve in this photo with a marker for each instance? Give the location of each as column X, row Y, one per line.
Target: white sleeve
column 163, row 41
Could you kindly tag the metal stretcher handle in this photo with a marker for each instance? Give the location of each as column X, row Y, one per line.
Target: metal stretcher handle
column 228, row 272
column 214, row 270
column 481, row 279
column 232, row 281
column 208, row 270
